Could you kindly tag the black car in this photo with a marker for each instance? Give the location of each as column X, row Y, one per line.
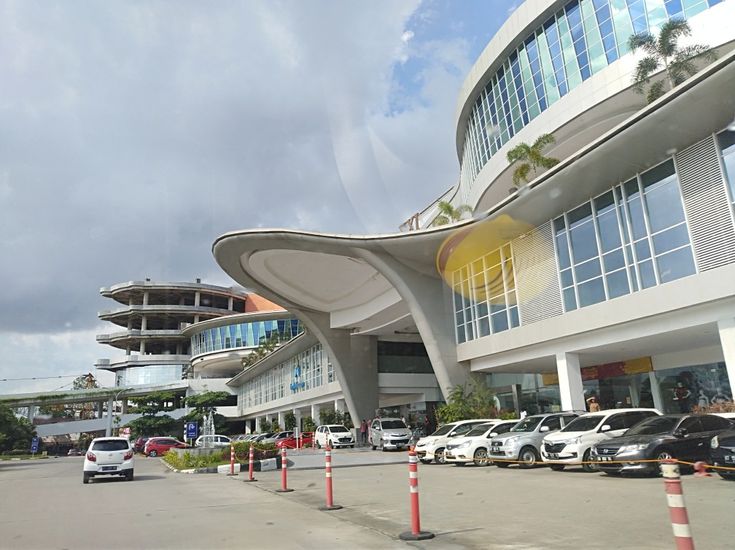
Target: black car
column 722, row 453
column 683, row 436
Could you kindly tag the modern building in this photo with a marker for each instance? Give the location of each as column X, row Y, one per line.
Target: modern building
column 151, row 318
column 610, row 274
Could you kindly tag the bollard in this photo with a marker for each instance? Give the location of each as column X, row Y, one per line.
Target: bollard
column 677, row 508
column 251, row 461
column 328, row 469
column 232, row 460
column 284, row 475
column 413, row 483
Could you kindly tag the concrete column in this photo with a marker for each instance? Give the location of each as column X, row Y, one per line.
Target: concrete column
column 145, row 298
column 315, row 413
column 142, row 347
column 658, row 401
column 197, row 298
column 570, row 382
column 124, row 408
column 144, row 323
column 100, row 409
column 726, row 328
column 230, row 303
column 297, row 415
column 340, row 405
column 282, row 419
column 110, row 416
column 31, row 413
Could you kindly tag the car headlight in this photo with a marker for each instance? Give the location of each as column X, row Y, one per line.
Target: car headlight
column 632, row 448
column 714, row 442
column 463, row 445
column 574, row 441
column 512, row 441
column 384, row 437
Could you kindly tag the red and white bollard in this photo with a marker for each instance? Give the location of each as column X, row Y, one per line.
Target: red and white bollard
column 328, row 473
column 284, row 475
column 232, row 460
column 677, row 508
column 251, row 462
column 413, row 484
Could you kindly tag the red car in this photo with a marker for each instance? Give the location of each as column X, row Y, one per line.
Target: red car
column 156, row 446
column 307, row 439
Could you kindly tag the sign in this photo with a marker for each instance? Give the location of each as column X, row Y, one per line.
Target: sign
column 192, row 430
column 125, row 432
column 34, row 445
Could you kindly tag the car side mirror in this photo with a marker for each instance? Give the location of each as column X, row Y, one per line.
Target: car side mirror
column 544, row 429
column 605, row 428
column 493, row 434
column 681, row 432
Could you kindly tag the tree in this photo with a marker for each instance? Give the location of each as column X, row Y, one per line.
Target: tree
column 15, row 433
column 205, row 403
column 465, row 403
column 266, row 347
column 309, row 424
column 152, row 422
column 289, row 420
column 664, row 52
column 84, row 382
column 530, row 157
column 449, row 214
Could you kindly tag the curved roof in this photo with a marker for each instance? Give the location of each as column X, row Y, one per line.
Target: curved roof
column 236, row 319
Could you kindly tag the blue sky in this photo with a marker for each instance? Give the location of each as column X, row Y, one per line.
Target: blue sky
column 135, row 133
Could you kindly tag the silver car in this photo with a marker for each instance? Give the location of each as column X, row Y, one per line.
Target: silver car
column 389, row 433
column 523, row 441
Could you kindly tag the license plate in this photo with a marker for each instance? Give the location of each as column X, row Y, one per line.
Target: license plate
column 604, row 458
column 108, row 468
column 730, row 459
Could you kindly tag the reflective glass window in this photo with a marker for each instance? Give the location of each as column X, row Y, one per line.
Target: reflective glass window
column 727, row 147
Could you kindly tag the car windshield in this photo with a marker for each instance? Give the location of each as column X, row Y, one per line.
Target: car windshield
column 339, row 429
column 392, row 424
column 654, row 425
column 527, row 424
column 444, row 430
column 479, row 430
column 110, row 445
column 583, row 424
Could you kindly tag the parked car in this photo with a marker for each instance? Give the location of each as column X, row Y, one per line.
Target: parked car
column 431, row 447
column 212, row 441
column 260, row 438
column 306, row 439
column 109, row 456
column 276, row 437
column 156, row 446
column 523, row 441
column 475, row 445
column 683, row 436
column 388, row 433
column 722, row 453
column 139, row 444
column 572, row 444
column 74, row 452
column 335, row 435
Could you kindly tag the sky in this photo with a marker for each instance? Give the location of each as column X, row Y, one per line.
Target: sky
column 133, row 134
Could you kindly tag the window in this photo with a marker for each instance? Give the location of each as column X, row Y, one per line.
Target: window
column 712, row 423
column 632, row 237
column 727, row 146
column 553, row 423
column 691, row 425
column 616, row 422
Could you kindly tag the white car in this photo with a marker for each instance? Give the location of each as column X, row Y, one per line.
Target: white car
column 431, row 447
column 335, row 435
column 475, row 445
column 109, row 456
column 571, row 445
column 211, row 441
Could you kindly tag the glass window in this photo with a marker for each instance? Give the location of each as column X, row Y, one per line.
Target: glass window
column 727, row 147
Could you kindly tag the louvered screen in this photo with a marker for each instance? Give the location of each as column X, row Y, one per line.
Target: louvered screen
column 707, row 205
column 536, row 275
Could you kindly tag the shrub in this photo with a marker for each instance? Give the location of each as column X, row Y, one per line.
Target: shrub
column 309, row 424
column 242, row 450
column 187, row 460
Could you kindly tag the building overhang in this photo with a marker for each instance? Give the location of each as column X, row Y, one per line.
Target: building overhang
column 227, row 320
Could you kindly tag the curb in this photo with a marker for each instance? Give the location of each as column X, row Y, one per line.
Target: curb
column 258, row 466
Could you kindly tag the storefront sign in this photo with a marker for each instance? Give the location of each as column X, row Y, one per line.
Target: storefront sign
column 608, row 370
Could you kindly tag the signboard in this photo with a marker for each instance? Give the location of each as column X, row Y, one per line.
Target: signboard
column 34, row 445
column 192, row 430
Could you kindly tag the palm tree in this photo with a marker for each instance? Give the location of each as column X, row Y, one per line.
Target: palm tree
column 449, row 214
column 678, row 63
column 530, row 158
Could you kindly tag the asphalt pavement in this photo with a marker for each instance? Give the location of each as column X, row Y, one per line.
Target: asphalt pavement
column 45, row 505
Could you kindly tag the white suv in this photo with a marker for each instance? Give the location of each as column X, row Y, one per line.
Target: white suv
column 109, row 456
column 210, row 441
column 572, row 444
column 432, row 446
column 335, row 435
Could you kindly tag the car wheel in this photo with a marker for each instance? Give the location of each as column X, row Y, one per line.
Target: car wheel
column 480, row 458
column 129, row 475
column 373, row 447
column 586, row 466
column 528, row 457
column 556, row 467
column 439, row 456
column 153, row 453
column 85, row 478
column 727, row 476
column 425, row 461
column 663, row 454
column 318, row 445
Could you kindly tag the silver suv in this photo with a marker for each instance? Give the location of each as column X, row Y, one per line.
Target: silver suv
column 389, row 433
column 523, row 441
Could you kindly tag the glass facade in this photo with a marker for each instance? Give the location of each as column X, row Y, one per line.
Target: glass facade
column 485, row 299
column 308, row 370
column 244, row 335
column 684, row 388
column 727, row 146
column 632, row 237
column 152, row 374
column 580, row 39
